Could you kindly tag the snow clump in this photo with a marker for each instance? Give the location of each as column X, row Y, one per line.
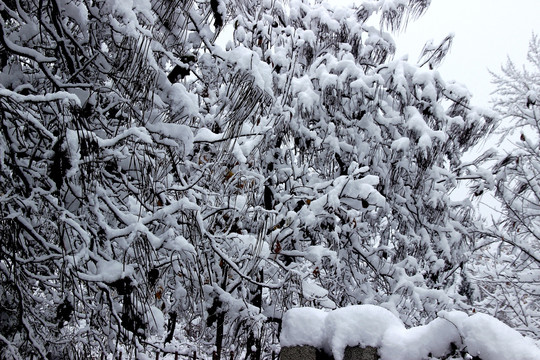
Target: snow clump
column 478, row 335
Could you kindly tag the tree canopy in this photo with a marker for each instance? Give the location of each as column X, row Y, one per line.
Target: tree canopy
column 152, row 176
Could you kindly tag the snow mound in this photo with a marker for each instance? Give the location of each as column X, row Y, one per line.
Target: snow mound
column 369, row 325
column 303, row 326
column 489, row 338
column 363, row 325
column 421, row 342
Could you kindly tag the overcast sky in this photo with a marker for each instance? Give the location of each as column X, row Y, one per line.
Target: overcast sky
column 486, row 32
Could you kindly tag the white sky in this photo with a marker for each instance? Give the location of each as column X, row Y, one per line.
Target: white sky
column 486, row 33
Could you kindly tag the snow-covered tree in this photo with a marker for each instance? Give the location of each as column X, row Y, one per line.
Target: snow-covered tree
column 377, row 144
column 94, row 135
column 508, row 273
column 152, row 177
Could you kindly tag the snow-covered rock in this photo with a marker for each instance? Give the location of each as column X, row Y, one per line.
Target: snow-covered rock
column 373, row 326
column 489, row 338
column 303, row 326
column 363, row 325
column 419, row 342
